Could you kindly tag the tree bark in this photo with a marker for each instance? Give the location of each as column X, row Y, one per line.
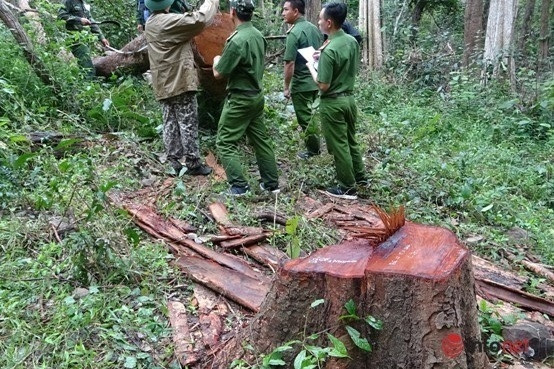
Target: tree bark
column 24, row 41
column 370, row 27
column 419, row 283
column 417, row 13
column 525, row 25
column 313, row 7
column 499, row 38
column 473, row 30
column 544, row 42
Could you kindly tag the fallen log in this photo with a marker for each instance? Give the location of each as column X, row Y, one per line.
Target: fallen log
column 418, row 282
column 245, row 241
column 184, row 347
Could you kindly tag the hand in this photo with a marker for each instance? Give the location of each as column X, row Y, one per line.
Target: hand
column 286, row 92
column 85, row 22
column 316, row 55
column 216, row 60
column 105, row 42
column 140, row 28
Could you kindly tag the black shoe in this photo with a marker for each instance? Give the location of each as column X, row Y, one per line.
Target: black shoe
column 201, row 170
column 305, row 155
column 238, row 190
column 342, row 193
column 274, row 190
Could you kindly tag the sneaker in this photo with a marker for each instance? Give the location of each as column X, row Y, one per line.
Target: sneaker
column 201, row 170
column 274, row 190
column 305, row 155
column 342, row 193
column 238, row 190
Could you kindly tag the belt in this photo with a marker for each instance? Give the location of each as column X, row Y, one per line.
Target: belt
column 338, row 94
column 245, row 92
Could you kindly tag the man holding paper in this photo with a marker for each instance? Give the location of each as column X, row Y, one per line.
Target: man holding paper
column 302, row 37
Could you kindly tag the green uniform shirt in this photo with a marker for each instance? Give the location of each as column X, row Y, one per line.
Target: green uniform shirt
column 242, row 59
column 72, row 11
column 338, row 63
column 302, row 34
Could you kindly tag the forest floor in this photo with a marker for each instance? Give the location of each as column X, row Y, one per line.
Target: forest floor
column 92, row 292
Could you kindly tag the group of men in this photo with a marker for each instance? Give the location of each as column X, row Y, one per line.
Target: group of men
column 329, row 76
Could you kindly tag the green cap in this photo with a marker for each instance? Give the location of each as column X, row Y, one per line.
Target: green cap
column 155, row 5
column 243, row 6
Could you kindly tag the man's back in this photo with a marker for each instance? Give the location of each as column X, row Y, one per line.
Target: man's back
column 338, row 63
column 243, row 59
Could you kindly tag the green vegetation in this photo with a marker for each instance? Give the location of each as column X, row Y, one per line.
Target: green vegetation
column 477, row 160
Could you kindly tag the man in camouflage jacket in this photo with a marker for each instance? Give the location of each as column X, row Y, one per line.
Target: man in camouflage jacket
column 76, row 14
column 175, row 79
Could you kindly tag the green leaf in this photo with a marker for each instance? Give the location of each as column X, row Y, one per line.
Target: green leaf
column 18, row 138
column 487, row 208
column 67, row 143
column 338, row 349
column 374, row 322
column 357, row 339
column 22, row 159
column 350, row 306
column 319, row 353
column 130, row 362
column 299, row 359
column 292, row 225
column 317, row 303
column 132, row 236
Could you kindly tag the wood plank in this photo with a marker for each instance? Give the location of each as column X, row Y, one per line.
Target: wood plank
column 245, row 241
column 183, row 225
column 184, row 344
column 242, row 289
column 244, row 231
column 266, row 255
column 219, row 212
column 219, row 172
column 321, row 211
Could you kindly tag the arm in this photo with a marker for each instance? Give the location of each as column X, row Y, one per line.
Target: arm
column 217, row 75
column 322, row 86
column 188, row 25
column 289, row 71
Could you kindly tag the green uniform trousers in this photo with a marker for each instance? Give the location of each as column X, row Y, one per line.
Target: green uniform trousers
column 82, row 53
column 241, row 115
column 302, row 102
column 338, row 121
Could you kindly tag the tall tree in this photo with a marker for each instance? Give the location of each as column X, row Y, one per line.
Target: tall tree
column 545, row 30
column 499, row 37
column 370, row 27
column 313, row 7
column 473, row 30
column 24, row 41
column 525, row 24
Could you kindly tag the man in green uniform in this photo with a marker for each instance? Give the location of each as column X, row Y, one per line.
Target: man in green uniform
column 76, row 14
column 175, row 79
column 335, row 75
column 298, row 82
column 242, row 61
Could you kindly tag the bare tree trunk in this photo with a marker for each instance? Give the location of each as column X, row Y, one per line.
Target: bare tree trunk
column 473, row 30
column 526, row 23
column 417, row 13
column 545, row 30
column 499, row 37
column 370, row 27
column 23, row 40
column 313, row 7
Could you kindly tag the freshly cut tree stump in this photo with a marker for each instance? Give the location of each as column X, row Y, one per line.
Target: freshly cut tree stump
column 418, row 282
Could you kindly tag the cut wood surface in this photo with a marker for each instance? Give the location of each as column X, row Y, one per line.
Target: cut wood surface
column 266, row 254
column 219, row 212
column 245, row 241
column 246, row 291
column 219, row 172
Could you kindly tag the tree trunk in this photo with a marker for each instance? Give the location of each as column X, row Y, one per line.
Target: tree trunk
column 525, row 25
column 23, row 40
column 419, row 283
column 473, row 30
column 544, row 42
column 209, row 43
column 313, row 7
column 417, row 13
column 370, row 27
column 499, row 37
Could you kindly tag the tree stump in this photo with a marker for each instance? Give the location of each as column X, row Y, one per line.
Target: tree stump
column 419, row 283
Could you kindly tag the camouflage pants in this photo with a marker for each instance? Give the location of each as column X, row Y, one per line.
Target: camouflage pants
column 180, row 130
